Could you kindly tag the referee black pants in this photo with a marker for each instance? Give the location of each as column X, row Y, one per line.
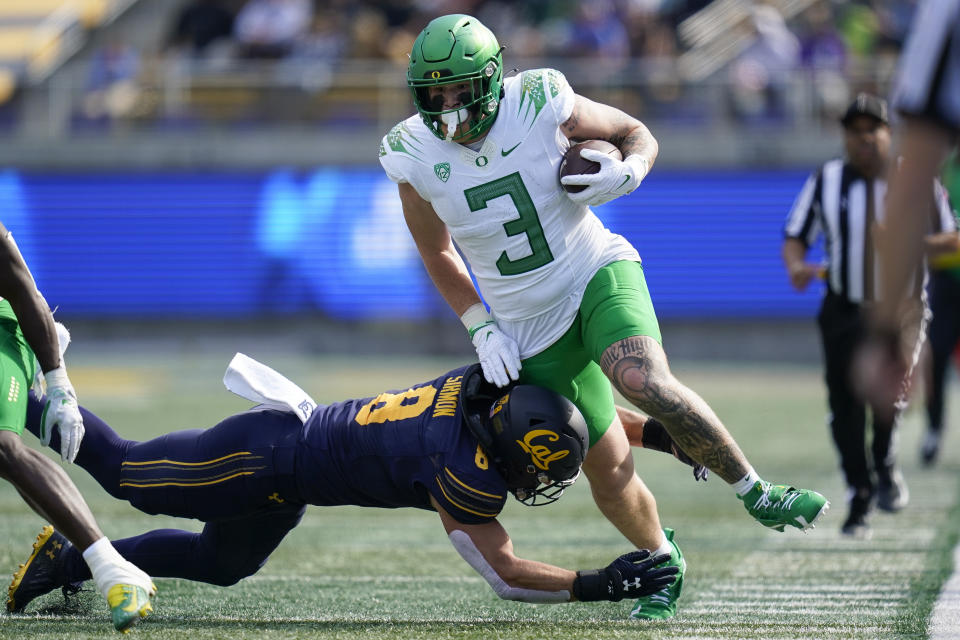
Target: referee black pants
column 944, row 334
column 842, row 328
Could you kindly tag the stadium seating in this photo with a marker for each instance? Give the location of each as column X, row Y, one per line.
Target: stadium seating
column 36, row 36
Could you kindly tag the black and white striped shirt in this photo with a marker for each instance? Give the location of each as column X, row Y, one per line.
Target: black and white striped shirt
column 835, row 202
column 928, row 75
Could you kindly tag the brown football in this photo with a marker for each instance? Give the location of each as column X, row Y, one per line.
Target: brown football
column 573, row 164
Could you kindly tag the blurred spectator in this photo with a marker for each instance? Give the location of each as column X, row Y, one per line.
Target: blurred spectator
column 326, row 40
column 893, row 22
column 823, row 54
column 662, row 88
column 821, row 44
column 112, row 88
column 368, row 34
column 860, row 26
column 598, row 32
column 199, row 24
column 760, row 75
column 271, row 28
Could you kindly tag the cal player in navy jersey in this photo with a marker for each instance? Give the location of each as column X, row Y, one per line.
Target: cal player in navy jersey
column 456, row 445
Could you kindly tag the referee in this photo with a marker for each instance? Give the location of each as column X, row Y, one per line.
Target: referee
column 844, row 201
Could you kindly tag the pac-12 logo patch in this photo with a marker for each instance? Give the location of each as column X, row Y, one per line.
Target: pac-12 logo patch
column 442, row 169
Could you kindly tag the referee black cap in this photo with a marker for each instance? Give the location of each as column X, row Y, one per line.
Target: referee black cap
column 866, row 104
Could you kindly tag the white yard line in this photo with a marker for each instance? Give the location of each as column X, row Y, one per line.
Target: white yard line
column 945, row 618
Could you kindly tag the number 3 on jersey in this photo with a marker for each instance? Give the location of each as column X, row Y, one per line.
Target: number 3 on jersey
column 528, row 222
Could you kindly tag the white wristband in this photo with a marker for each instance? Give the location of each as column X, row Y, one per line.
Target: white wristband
column 58, row 378
column 639, row 164
column 475, row 316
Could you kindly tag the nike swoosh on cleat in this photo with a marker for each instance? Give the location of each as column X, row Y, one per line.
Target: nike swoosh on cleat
column 509, row 151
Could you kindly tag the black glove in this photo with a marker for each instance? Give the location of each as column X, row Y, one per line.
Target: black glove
column 655, row 436
column 632, row 575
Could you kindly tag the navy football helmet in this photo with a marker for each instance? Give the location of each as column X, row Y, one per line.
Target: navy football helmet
column 536, row 438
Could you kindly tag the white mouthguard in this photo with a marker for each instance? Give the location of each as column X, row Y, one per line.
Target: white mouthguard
column 453, row 120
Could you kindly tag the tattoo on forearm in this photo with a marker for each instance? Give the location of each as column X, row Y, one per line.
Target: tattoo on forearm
column 631, row 138
column 625, row 132
column 571, row 123
column 631, row 144
column 638, row 368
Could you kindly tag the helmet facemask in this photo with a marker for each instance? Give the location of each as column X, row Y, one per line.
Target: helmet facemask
column 457, row 49
column 550, row 491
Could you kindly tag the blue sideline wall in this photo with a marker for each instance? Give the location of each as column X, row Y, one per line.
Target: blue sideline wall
column 334, row 241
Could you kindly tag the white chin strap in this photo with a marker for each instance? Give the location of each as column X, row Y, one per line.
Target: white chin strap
column 453, row 120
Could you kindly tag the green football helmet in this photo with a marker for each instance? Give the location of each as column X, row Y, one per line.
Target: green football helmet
column 457, row 48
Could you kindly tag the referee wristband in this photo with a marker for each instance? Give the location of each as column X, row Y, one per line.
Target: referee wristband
column 475, row 318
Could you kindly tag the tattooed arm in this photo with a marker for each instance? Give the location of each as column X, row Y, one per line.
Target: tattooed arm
column 638, row 368
column 596, row 121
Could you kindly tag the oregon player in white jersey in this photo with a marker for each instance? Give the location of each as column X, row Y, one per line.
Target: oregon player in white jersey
column 534, row 278
column 479, row 165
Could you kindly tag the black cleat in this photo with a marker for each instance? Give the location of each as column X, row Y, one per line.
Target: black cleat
column 892, row 492
column 41, row 573
column 856, row 525
column 930, row 449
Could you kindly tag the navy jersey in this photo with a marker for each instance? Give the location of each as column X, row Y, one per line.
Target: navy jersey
column 398, row 449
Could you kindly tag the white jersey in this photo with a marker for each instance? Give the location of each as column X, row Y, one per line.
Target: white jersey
column 531, row 248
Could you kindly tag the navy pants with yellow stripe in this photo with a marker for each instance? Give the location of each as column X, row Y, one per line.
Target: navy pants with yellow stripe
column 237, row 477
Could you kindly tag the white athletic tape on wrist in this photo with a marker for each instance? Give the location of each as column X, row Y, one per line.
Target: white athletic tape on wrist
column 58, row 378
column 475, row 317
column 63, row 338
column 469, row 552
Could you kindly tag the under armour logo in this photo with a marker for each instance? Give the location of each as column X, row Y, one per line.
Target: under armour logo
column 636, row 584
column 276, row 498
column 56, row 546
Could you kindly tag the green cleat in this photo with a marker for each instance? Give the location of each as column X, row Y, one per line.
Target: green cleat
column 777, row 505
column 128, row 604
column 663, row 604
column 41, row 573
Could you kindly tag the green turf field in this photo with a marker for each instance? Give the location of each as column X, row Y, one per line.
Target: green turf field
column 368, row 573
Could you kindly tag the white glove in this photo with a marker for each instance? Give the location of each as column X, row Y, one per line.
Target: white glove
column 615, row 178
column 499, row 354
column 62, row 410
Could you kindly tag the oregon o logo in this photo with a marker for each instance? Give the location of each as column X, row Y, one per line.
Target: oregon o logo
column 482, row 161
column 434, row 74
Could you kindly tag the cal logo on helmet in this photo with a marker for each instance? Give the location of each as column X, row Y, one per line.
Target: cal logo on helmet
column 539, row 451
column 498, row 405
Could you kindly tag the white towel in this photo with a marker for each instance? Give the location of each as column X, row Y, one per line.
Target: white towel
column 259, row 383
